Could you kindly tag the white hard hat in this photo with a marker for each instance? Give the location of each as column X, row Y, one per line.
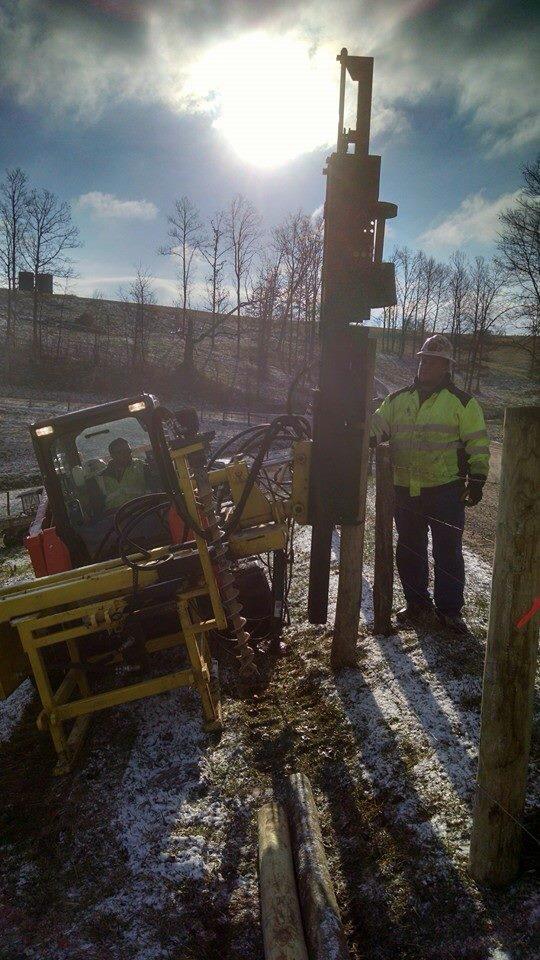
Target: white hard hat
column 437, row 346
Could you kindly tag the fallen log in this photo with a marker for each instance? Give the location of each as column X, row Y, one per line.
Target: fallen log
column 323, row 929
column 283, row 935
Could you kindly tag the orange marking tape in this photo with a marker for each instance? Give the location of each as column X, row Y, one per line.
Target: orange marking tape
column 523, row 621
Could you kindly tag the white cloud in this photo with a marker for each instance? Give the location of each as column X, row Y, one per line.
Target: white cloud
column 475, row 220
column 106, row 206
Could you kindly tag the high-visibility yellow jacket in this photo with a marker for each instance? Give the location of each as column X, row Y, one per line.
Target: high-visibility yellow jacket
column 131, row 484
column 434, row 442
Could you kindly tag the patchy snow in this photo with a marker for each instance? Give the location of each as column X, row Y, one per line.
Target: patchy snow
column 12, row 709
column 159, row 844
column 407, row 696
column 174, row 821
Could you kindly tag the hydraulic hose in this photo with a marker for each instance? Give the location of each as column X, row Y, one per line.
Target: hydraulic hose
column 272, row 432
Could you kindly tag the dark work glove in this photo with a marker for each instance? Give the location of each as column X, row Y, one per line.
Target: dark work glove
column 473, row 491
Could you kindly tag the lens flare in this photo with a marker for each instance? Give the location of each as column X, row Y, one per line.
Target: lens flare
column 272, row 98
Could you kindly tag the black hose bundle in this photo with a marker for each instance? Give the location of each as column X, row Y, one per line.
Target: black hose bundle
column 289, row 427
column 283, row 428
column 128, row 517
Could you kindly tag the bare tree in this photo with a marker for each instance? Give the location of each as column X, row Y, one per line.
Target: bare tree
column 215, row 252
column 459, row 284
column 49, row 237
column 287, row 244
column 407, row 263
column 65, row 291
column 185, row 242
column 13, row 220
column 266, row 292
column 292, row 240
column 314, row 242
column 519, row 253
column 430, row 289
column 389, row 321
column 102, row 329
column 243, row 229
column 141, row 294
column 489, row 305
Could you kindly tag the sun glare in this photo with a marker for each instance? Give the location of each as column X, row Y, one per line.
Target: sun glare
column 273, row 98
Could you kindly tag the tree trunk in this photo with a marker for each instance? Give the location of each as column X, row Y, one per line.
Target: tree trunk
column 35, row 306
column 189, row 350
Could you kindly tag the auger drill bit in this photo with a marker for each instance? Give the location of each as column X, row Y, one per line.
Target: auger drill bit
column 224, row 574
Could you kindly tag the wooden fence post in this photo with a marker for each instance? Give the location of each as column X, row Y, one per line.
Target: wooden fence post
column 507, row 696
column 323, row 929
column 283, row 935
column 351, row 549
column 383, row 575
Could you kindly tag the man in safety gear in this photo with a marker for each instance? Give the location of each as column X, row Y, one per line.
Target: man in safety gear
column 440, row 454
column 124, row 478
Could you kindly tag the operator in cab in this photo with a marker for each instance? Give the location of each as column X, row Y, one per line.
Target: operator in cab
column 125, row 477
column 440, row 452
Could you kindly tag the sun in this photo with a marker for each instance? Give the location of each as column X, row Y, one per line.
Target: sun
column 272, row 97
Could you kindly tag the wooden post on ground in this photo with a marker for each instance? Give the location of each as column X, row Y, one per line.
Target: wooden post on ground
column 283, row 934
column 383, row 577
column 507, row 697
column 351, row 550
column 323, row 929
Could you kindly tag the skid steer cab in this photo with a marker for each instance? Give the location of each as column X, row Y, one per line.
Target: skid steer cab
column 93, row 462
column 151, row 548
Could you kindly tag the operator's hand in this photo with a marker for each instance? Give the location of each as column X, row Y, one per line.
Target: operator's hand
column 473, row 491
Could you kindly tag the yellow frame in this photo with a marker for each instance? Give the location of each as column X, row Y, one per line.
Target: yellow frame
column 69, row 626
column 65, row 607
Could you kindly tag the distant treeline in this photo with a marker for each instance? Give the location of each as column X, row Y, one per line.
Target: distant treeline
column 249, row 299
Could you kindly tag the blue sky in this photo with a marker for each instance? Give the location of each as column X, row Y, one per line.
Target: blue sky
column 120, row 106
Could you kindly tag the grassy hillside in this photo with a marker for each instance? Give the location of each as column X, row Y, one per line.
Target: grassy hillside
column 87, row 345
column 85, row 357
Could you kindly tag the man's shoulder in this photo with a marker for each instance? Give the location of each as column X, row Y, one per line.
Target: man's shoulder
column 397, row 393
column 461, row 395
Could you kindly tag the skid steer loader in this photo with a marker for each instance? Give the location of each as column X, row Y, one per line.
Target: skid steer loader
column 158, row 563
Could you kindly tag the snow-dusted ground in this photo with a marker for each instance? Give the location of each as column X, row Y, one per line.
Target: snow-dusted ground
column 12, row 709
column 148, row 851
column 425, row 715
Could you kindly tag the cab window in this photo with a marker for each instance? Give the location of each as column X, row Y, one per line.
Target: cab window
column 80, row 460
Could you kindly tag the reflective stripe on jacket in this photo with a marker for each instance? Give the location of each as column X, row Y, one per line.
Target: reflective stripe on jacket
column 434, row 442
column 132, row 484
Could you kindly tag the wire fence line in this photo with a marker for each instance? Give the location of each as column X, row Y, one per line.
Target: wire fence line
column 425, row 516
column 225, row 414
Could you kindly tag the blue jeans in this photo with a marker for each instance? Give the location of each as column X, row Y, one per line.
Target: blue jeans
column 442, row 511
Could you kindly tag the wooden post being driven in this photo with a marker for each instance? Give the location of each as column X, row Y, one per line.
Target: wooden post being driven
column 383, row 575
column 351, row 549
column 507, row 697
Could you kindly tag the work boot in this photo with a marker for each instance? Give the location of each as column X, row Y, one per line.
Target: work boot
column 454, row 623
column 414, row 613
